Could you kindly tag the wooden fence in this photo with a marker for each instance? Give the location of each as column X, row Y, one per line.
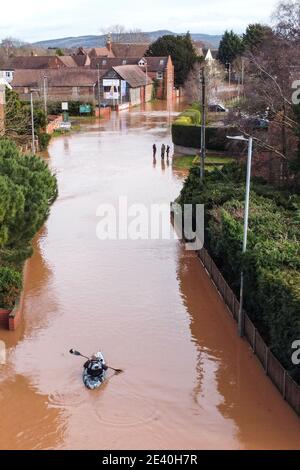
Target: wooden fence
column 288, row 388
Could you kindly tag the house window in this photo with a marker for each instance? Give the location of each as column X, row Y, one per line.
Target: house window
column 7, row 74
column 104, row 62
column 160, row 75
column 124, row 62
column 142, row 63
column 161, row 62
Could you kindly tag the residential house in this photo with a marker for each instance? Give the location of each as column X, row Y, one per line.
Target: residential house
column 83, row 56
column 210, row 55
column 159, row 69
column 126, row 85
column 66, row 84
column 127, row 50
column 39, row 62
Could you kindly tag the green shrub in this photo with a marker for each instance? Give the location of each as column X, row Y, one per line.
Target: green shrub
column 44, row 140
column 191, row 116
column 271, row 264
column 10, row 287
column 27, row 188
column 54, row 107
column 187, row 135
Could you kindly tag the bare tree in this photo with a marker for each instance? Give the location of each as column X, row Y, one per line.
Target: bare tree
column 287, row 20
column 269, row 74
column 214, row 74
column 120, row 34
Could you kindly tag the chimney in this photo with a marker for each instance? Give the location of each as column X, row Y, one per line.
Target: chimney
column 108, row 42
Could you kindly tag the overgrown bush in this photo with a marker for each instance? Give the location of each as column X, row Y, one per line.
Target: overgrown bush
column 44, row 140
column 272, row 262
column 27, row 188
column 10, row 287
column 54, row 108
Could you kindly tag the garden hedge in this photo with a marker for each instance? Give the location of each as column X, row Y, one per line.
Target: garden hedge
column 272, row 262
column 190, row 136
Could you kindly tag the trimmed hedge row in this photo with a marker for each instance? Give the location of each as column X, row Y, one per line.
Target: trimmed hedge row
column 190, row 136
column 54, row 107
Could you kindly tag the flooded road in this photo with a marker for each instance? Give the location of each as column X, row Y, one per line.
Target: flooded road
column 189, row 382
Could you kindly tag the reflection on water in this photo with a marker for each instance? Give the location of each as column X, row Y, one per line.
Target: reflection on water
column 242, row 394
column 189, row 382
column 28, row 421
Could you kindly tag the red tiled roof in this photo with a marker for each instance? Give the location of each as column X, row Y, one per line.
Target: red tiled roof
column 68, row 60
column 35, row 62
column 100, row 52
column 128, row 50
column 66, row 77
column 154, row 64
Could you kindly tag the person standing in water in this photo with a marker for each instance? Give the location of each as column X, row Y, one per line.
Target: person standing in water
column 154, row 151
column 163, row 150
column 168, row 151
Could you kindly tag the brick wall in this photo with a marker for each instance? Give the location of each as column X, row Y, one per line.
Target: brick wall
column 53, row 124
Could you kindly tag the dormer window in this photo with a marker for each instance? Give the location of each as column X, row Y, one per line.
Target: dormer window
column 161, row 62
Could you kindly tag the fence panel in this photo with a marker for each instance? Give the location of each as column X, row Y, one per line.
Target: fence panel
column 250, row 331
column 276, row 372
column 285, row 384
column 292, row 394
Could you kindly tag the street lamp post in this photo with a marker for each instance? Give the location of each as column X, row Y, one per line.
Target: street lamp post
column 98, row 85
column 246, row 223
column 203, row 125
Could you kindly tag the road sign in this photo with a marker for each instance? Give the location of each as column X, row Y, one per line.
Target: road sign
column 85, row 109
column 65, row 125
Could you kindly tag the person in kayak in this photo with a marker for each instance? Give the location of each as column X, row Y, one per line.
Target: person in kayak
column 95, row 366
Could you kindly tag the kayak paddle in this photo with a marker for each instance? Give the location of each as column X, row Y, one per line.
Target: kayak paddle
column 77, row 353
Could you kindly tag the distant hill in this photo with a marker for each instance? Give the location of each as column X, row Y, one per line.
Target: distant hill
column 99, row 41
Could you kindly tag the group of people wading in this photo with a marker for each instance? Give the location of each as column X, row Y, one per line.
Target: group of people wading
column 165, row 151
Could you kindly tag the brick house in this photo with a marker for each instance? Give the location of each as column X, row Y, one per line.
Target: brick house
column 127, row 50
column 40, row 62
column 126, row 85
column 159, row 69
column 62, row 85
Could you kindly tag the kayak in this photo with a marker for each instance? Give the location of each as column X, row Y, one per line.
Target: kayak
column 94, row 382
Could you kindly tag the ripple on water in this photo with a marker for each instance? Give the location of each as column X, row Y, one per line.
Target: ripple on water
column 127, row 410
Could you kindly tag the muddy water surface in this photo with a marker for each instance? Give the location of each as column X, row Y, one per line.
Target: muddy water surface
column 189, row 382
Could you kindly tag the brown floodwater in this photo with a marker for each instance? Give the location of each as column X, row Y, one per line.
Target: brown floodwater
column 189, row 381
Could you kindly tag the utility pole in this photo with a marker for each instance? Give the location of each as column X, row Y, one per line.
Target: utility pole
column 203, row 124
column 45, row 96
column 229, row 73
column 99, row 97
column 243, row 72
column 32, row 123
column 146, row 82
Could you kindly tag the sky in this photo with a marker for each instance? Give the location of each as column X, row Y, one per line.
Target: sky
column 34, row 20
